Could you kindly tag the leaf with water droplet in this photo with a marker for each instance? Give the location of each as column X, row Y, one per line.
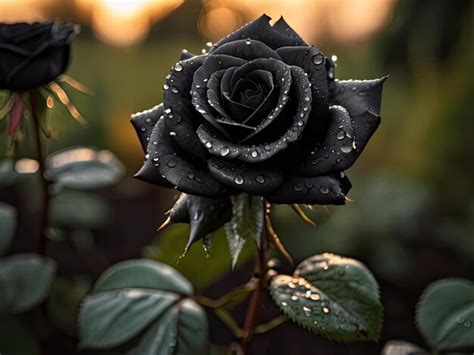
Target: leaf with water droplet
column 246, row 222
column 445, row 315
column 333, row 296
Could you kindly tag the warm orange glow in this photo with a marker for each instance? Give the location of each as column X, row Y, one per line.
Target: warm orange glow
column 23, row 10
column 339, row 20
column 125, row 22
column 219, row 22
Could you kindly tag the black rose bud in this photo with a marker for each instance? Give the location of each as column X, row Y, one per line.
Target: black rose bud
column 32, row 55
column 261, row 113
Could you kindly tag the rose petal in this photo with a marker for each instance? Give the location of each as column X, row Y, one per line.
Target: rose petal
column 180, row 115
column 311, row 60
column 247, row 49
column 283, row 27
column 199, row 86
column 32, row 59
column 337, row 152
column 218, row 145
column 323, row 190
column 261, row 30
column 358, row 96
column 144, row 121
column 252, row 179
column 165, row 162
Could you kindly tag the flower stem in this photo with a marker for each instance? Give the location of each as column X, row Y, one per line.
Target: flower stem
column 257, row 295
column 45, row 183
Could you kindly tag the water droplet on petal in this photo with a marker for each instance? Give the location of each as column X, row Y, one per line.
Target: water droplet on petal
column 172, row 133
column 284, row 304
column 178, row 67
column 254, row 154
column 166, row 87
column 174, row 89
column 324, row 190
column 224, row 151
column 294, row 298
column 340, row 135
column 298, row 187
column 346, row 149
column 260, row 179
column 247, row 42
column 208, row 144
column 318, row 59
column 239, row 179
column 171, row 163
column 326, row 310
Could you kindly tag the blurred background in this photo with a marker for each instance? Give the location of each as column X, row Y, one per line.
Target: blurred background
column 412, row 219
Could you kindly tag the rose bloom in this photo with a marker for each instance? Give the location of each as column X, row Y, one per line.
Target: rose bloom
column 260, row 113
column 32, row 55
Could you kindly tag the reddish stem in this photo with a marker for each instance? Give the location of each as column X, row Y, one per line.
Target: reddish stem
column 257, row 295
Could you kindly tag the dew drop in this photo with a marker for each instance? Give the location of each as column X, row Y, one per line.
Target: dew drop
column 334, row 58
column 294, row 298
column 324, row 190
column 306, row 309
column 143, row 129
column 284, row 304
column 260, row 179
column 239, row 179
column 174, row 89
column 346, row 149
column 167, row 111
column 208, row 144
column 306, row 98
column 467, row 323
column 178, row 67
column 224, row 151
column 300, row 123
column 171, row 163
column 318, row 59
column 340, row 135
column 254, row 154
column 247, row 42
column 166, row 87
column 298, row 187
column 315, row 297
column 172, row 133
column 326, row 310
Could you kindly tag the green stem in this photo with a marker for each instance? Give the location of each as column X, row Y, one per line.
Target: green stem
column 45, row 184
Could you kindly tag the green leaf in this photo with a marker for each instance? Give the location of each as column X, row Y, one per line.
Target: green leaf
column 94, row 212
column 11, row 171
column 445, row 315
column 25, row 280
column 84, row 168
column 7, row 226
column 246, row 222
column 400, row 347
column 143, row 298
column 111, row 318
column 15, row 339
column 333, row 296
column 181, row 331
column 143, row 273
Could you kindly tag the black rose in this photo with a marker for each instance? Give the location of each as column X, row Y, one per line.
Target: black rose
column 32, row 55
column 261, row 113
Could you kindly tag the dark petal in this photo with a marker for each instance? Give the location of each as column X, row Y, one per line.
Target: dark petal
column 206, row 216
column 144, row 121
column 30, row 60
column 311, row 60
column 251, row 179
column 339, row 149
column 180, row 115
column 261, row 30
column 217, row 145
column 322, row 190
column 165, row 162
column 185, row 54
column 282, row 78
column 199, row 86
column 358, row 96
column 247, row 49
column 283, row 27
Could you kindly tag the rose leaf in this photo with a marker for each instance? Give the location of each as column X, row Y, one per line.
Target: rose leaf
column 332, row 296
column 445, row 315
column 25, row 280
